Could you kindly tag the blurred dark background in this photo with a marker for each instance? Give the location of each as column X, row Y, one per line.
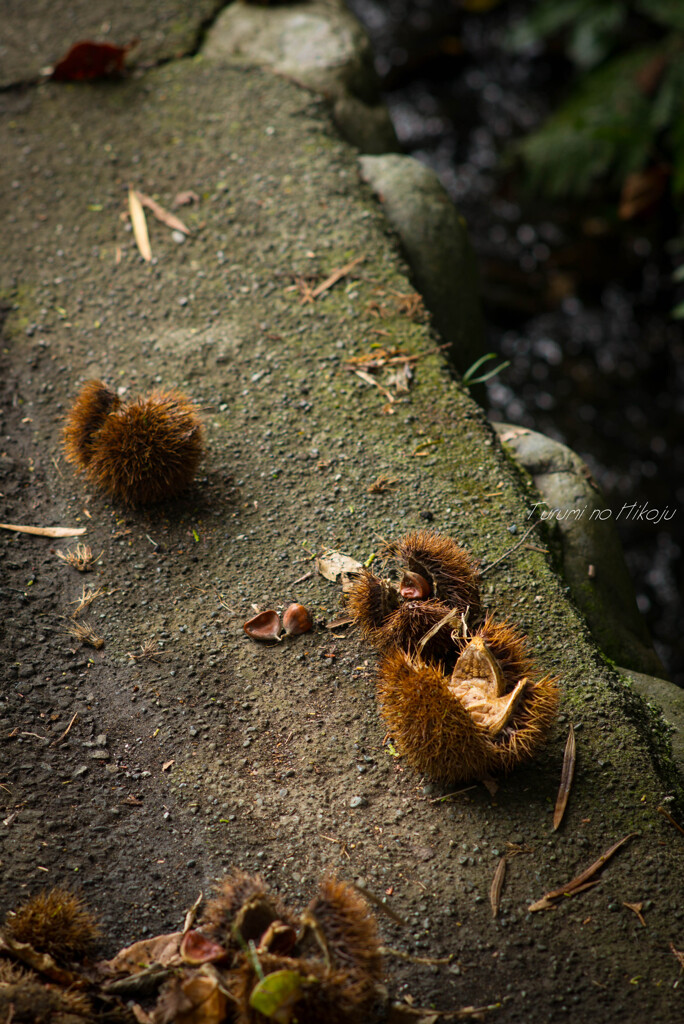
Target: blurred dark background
column 556, row 127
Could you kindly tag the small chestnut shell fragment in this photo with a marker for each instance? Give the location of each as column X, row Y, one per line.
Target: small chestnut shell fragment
column 296, row 620
column 264, row 626
column 196, row 948
column 414, row 587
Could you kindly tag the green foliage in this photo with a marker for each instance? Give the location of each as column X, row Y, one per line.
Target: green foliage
column 602, row 130
column 625, row 111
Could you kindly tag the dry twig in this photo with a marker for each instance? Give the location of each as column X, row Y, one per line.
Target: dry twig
column 66, row 731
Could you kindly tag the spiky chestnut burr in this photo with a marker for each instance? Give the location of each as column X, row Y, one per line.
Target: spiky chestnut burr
column 93, row 405
column 451, row 571
column 492, row 713
column 140, row 453
column 243, row 899
column 387, row 620
column 438, row 577
column 55, row 922
column 323, row 994
column 343, row 923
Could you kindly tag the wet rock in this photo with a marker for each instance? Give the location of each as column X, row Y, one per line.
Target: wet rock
column 669, row 699
column 435, row 239
column 593, row 562
column 320, row 46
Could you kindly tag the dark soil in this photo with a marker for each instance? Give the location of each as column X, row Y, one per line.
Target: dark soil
column 219, row 752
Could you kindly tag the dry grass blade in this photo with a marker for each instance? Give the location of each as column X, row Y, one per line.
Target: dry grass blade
column 376, row 901
column 582, row 881
column 566, row 779
column 44, row 531
column 80, row 558
column 148, row 649
column 382, row 484
column 142, row 239
column 87, row 635
column 85, row 600
column 668, row 816
column 171, row 221
column 497, row 886
column 511, row 550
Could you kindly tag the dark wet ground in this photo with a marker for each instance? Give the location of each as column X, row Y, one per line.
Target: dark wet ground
column 581, row 311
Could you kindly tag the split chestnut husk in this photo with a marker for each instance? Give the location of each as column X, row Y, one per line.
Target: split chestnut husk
column 491, row 713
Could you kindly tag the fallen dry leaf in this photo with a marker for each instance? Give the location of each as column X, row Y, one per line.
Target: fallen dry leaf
column 333, row 563
column 194, row 1000
column 566, row 779
column 167, row 765
column 41, row 962
column 582, row 881
column 142, row 238
column 679, row 955
column 45, row 531
column 88, row 60
column 642, row 190
column 161, row 949
column 497, row 886
column 636, row 908
column 171, row 221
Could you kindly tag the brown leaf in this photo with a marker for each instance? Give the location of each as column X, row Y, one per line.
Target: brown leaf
column 171, row 221
column 641, row 190
column 566, row 779
column 87, row 61
column 679, row 954
column 582, row 881
column 636, row 908
column 167, row 765
column 142, row 238
column 161, row 949
column 332, row 563
column 45, row 531
column 497, row 886
column 41, row 962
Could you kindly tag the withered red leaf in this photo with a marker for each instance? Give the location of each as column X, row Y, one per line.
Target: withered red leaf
column 87, row 60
